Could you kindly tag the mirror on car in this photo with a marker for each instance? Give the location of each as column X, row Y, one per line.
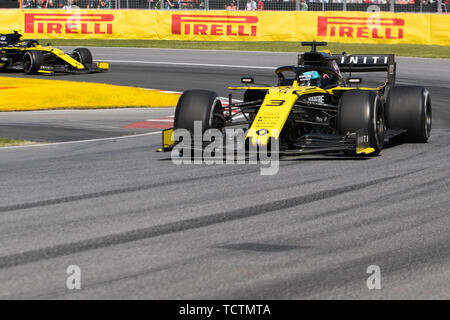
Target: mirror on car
column 354, row 80
column 247, row 80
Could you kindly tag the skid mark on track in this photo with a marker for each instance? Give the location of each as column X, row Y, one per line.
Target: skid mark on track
column 260, row 247
column 48, row 202
column 179, row 226
column 299, row 284
column 100, row 194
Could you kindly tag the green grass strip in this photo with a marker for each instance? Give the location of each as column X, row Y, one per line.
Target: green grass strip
column 11, row 142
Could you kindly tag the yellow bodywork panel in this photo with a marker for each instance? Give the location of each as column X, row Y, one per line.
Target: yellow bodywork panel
column 168, row 140
column 365, row 151
column 272, row 115
column 277, row 106
column 275, row 110
column 59, row 53
column 103, row 65
column 307, row 90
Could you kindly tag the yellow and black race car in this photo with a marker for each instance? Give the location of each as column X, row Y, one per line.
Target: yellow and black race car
column 32, row 58
column 315, row 109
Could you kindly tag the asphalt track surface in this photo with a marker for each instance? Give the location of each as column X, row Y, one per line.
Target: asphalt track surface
column 140, row 226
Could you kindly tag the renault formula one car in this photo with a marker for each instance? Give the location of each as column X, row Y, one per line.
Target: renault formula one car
column 32, row 58
column 315, row 109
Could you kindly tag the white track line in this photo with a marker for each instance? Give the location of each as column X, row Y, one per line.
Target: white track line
column 82, row 141
column 192, row 64
column 160, row 120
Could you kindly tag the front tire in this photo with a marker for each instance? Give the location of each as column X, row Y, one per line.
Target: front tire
column 83, row 55
column 362, row 109
column 32, row 61
column 198, row 105
column 409, row 108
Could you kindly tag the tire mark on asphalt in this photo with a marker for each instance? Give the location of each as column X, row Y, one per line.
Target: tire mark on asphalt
column 108, row 280
column 411, row 219
column 48, row 202
column 179, row 226
column 172, row 204
column 385, row 200
column 232, row 193
column 55, row 201
column 299, row 285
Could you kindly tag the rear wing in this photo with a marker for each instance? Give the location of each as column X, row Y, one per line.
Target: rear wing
column 368, row 63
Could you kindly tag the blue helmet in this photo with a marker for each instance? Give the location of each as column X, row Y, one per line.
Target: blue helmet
column 309, row 78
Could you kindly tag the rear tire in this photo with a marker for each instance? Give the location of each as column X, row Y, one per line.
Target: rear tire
column 82, row 55
column 409, row 108
column 198, row 105
column 362, row 109
column 32, row 61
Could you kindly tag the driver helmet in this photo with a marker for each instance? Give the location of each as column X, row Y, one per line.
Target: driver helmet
column 309, row 78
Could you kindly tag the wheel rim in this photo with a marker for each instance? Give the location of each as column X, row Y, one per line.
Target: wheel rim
column 217, row 120
column 428, row 120
column 379, row 126
column 27, row 62
column 77, row 56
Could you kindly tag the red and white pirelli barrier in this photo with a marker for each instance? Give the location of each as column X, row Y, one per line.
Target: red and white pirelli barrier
column 330, row 26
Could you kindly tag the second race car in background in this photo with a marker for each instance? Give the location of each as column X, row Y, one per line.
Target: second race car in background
column 32, row 58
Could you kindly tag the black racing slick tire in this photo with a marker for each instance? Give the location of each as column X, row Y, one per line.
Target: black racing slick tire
column 32, row 61
column 409, row 108
column 198, row 105
column 362, row 109
column 82, row 55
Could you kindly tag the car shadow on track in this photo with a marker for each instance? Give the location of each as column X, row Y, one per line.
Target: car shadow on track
column 391, row 144
column 324, row 157
column 302, row 158
column 327, row 158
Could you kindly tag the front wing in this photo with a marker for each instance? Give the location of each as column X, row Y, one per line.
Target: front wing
column 356, row 142
column 92, row 68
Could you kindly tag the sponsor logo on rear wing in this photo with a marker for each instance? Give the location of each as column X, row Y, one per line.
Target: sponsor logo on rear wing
column 363, row 59
column 366, row 61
